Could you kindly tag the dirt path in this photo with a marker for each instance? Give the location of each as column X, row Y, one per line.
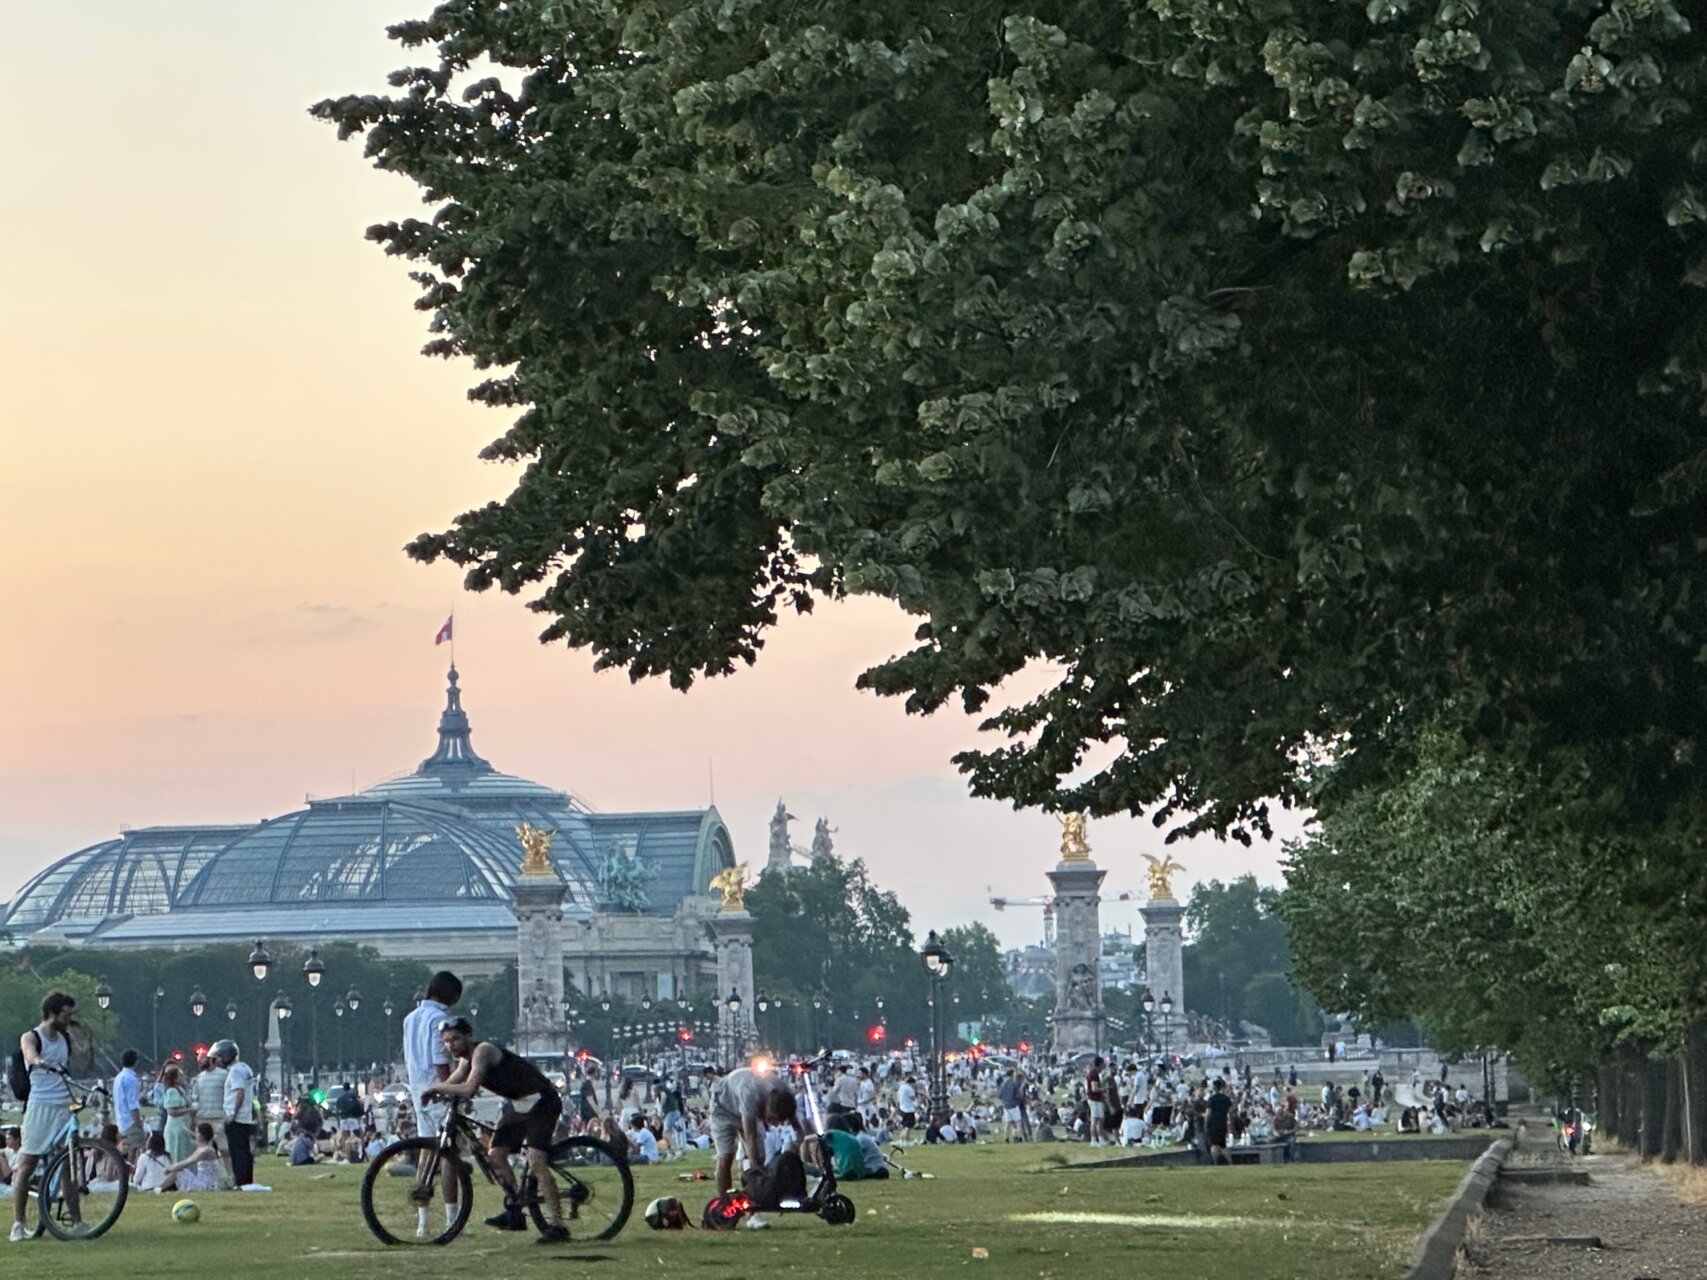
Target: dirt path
column 1647, row 1233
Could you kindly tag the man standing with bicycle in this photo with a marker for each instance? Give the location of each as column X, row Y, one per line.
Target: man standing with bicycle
column 47, row 1053
column 532, row 1108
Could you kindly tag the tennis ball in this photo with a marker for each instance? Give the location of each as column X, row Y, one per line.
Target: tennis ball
column 186, row 1211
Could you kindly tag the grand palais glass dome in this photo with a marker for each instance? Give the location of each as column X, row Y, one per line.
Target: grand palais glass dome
column 431, row 853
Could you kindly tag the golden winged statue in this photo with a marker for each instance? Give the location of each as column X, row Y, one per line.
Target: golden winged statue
column 1074, row 846
column 731, row 882
column 1161, row 872
column 537, row 842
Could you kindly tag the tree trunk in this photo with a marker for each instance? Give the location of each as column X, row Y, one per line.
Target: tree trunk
column 1653, row 1107
column 1695, row 1094
column 1671, row 1124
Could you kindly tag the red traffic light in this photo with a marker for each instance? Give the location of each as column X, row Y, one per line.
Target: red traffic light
column 684, row 1035
column 1025, row 1046
column 177, row 1055
column 875, row 1035
column 582, row 1055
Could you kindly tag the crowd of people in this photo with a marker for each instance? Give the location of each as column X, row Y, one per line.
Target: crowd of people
column 197, row 1126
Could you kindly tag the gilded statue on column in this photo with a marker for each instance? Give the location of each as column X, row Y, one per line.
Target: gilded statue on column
column 731, row 882
column 1161, row 877
column 1074, row 846
column 537, row 842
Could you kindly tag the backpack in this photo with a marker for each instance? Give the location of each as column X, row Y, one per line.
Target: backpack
column 17, row 1074
column 784, row 1178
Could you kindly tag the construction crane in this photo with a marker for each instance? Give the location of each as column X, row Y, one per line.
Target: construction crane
column 1048, row 905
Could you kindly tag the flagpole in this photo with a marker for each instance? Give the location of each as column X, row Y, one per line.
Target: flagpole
column 453, row 636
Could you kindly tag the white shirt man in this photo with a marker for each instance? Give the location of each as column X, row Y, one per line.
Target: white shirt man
column 906, row 1098
column 426, row 1061
column 644, row 1144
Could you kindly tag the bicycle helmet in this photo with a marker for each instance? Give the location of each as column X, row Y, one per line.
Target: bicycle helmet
column 222, row 1051
column 666, row 1212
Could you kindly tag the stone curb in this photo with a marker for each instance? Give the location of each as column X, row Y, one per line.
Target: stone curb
column 1436, row 1256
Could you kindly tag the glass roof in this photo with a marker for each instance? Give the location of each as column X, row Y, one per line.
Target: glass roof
column 444, row 834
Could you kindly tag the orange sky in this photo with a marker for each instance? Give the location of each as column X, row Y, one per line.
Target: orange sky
column 217, row 435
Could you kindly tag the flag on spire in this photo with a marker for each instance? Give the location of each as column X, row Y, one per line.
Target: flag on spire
column 444, row 631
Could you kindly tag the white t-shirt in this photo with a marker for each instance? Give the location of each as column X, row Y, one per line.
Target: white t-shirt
column 240, row 1079
column 423, row 1051
column 645, row 1145
column 907, row 1097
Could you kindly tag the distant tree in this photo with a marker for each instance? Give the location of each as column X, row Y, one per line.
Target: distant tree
column 1237, row 948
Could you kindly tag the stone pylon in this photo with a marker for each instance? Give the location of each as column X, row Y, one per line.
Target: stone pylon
column 1078, row 946
column 1164, row 965
column 536, row 900
column 732, row 940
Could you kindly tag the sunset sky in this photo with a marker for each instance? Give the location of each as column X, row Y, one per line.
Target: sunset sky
column 219, row 432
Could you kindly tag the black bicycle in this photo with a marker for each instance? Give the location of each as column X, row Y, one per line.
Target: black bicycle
column 420, row 1191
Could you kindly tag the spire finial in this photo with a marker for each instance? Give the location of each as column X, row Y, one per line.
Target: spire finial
column 455, row 755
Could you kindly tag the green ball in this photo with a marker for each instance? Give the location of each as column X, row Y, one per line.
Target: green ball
column 186, row 1211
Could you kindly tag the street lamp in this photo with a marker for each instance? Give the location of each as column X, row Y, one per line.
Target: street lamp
column 338, row 1008
column 353, row 998
column 938, row 963
column 314, row 971
column 733, row 1005
column 286, row 1009
column 231, row 1011
column 260, row 961
column 159, row 994
column 198, row 1002
column 103, row 993
column 646, row 1004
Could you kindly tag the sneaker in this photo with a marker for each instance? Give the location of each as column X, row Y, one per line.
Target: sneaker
column 19, row 1233
column 553, row 1233
column 755, row 1223
column 509, row 1220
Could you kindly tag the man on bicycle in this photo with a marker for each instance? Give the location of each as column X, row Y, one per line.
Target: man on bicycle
column 532, row 1108
column 47, row 1052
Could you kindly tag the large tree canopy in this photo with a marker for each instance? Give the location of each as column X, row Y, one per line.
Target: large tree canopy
column 1287, row 374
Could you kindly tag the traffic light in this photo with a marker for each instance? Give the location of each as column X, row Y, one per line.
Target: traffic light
column 1025, row 1046
column 582, row 1055
column 318, row 1095
column 875, row 1035
column 685, row 1035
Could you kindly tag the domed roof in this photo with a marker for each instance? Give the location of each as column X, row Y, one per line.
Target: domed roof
column 358, row 849
column 444, row 834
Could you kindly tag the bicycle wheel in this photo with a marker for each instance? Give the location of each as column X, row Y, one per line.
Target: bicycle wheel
column 404, row 1197
column 595, row 1190
column 84, row 1190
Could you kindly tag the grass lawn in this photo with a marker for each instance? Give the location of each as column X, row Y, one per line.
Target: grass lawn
column 1329, row 1222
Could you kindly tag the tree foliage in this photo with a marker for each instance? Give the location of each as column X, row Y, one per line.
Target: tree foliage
column 1238, row 962
column 1287, row 376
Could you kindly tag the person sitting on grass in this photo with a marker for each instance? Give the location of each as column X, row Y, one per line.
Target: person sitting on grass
column 302, row 1148
column 642, row 1142
column 151, row 1164
column 199, row 1171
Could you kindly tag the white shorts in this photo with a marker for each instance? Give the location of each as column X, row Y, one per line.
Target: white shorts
column 1011, row 1115
column 43, row 1123
column 1096, row 1111
column 430, row 1118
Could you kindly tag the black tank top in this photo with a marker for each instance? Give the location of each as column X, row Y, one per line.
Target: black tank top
column 513, row 1076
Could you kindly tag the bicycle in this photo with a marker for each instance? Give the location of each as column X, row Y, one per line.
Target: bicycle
column 403, row 1198
column 93, row 1167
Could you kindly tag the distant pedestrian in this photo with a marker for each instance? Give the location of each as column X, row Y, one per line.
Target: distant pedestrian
column 240, row 1111
column 127, row 1105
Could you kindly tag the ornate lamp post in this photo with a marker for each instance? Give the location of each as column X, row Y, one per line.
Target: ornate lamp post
column 231, row 1011
column 938, row 962
column 282, row 1004
column 198, row 1002
column 314, row 971
column 103, row 993
column 733, row 1004
column 260, row 961
column 159, row 994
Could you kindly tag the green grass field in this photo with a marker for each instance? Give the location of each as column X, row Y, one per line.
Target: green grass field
column 1032, row 1218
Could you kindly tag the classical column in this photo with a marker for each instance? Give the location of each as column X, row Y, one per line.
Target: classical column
column 1164, row 965
column 1078, row 943
column 732, row 945
column 536, row 900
